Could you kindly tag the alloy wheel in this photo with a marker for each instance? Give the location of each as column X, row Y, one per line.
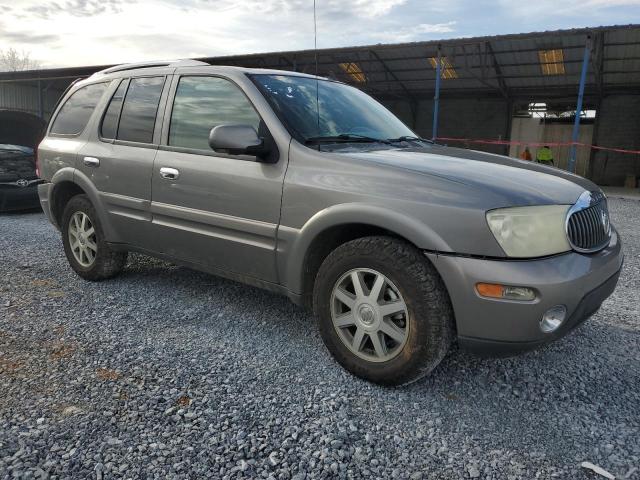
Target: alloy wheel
column 369, row 315
column 82, row 239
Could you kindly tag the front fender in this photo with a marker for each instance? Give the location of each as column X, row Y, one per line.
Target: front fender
column 294, row 244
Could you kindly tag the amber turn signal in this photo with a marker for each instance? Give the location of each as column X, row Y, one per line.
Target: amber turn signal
column 505, row 292
column 489, row 290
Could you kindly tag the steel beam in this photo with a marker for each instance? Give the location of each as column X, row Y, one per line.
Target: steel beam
column 436, row 97
column 413, row 104
column 391, row 73
column 576, row 124
column 508, row 124
column 597, row 59
column 453, row 57
column 497, row 69
column 480, row 78
column 40, row 100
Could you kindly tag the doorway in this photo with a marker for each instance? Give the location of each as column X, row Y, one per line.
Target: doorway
column 540, row 126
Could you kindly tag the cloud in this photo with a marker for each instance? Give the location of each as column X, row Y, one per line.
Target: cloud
column 610, row 3
column 363, row 8
column 112, row 31
column 375, row 8
column 78, row 8
column 337, row 11
column 421, row 31
column 22, row 38
column 96, row 32
column 434, row 27
column 572, row 9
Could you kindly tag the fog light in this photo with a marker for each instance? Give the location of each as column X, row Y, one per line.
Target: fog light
column 494, row 290
column 553, row 318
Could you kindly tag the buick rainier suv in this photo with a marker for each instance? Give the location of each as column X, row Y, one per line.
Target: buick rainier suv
column 308, row 187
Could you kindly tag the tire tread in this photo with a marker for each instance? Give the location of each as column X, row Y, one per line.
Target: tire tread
column 433, row 302
column 108, row 262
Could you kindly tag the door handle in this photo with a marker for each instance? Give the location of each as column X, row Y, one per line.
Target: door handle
column 169, row 173
column 91, row 161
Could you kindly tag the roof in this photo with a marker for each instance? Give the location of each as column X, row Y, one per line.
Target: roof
column 125, row 69
column 505, row 65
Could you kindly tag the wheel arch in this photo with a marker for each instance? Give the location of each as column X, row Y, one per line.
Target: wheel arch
column 336, row 225
column 69, row 182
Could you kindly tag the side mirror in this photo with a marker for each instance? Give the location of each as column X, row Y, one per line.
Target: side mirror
column 237, row 140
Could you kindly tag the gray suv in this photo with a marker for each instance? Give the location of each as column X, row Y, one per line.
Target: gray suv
column 308, row 187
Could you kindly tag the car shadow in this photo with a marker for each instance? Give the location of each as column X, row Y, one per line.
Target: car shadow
column 522, row 372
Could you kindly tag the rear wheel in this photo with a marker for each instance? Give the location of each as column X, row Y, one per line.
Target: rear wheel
column 383, row 310
column 84, row 244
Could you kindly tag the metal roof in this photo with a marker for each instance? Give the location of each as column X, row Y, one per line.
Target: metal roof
column 505, row 65
column 508, row 65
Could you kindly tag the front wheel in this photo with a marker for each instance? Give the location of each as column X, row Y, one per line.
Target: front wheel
column 86, row 249
column 383, row 311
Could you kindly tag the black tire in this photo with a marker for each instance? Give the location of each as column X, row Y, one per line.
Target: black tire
column 430, row 315
column 107, row 262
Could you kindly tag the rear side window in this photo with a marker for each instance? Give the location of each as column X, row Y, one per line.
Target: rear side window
column 76, row 112
column 139, row 109
column 202, row 103
column 109, row 126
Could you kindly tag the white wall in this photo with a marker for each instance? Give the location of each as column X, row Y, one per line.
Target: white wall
column 534, row 130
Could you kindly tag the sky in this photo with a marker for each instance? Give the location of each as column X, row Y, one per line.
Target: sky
column 63, row 33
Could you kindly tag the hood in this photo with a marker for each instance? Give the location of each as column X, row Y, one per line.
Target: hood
column 16, row 163
column 514, row 182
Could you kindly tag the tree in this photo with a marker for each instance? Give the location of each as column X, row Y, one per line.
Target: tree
column 13, row 61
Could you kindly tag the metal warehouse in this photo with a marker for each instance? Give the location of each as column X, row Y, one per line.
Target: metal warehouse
column 497, row 94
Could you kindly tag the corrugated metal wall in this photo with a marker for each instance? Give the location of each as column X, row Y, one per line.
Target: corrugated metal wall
column 24, row 97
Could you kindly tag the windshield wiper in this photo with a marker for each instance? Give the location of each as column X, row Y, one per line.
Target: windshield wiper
column 345, row 138
column 408, row 138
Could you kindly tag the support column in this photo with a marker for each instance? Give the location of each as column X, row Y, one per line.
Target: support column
column 40, row 100
column 576, row 124
column 415, row 106
column 591, row 169
column 509, row 123
column 436, row 97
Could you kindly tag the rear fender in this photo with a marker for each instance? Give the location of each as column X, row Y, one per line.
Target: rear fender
column 81, row 180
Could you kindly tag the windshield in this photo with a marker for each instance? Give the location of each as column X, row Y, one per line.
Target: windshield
column 345, row 112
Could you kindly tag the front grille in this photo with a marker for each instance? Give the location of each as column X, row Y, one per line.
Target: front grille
column 588, row 227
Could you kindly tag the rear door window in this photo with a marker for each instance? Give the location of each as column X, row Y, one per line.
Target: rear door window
column 109, row 127
column 76, row 112
column 139, row 109
column 202, row 103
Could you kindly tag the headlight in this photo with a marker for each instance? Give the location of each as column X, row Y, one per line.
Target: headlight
column 530, row 231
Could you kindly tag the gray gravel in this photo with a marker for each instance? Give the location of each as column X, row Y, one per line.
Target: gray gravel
column 169, row 373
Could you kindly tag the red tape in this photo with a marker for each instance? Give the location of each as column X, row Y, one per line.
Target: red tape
column 537, row 144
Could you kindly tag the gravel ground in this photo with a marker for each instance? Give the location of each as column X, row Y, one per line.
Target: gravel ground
column 169, row 373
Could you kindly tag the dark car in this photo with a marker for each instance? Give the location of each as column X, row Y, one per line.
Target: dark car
column 18, row 178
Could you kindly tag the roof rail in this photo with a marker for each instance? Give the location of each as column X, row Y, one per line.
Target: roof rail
column 166, row 63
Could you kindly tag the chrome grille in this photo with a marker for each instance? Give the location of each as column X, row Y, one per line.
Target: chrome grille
column 588, row 226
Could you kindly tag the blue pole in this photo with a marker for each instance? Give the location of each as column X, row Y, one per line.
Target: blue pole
column 436, row 99
column 576, row 124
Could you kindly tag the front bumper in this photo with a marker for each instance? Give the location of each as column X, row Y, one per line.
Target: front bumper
column 493, row 327
column 14, row 197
